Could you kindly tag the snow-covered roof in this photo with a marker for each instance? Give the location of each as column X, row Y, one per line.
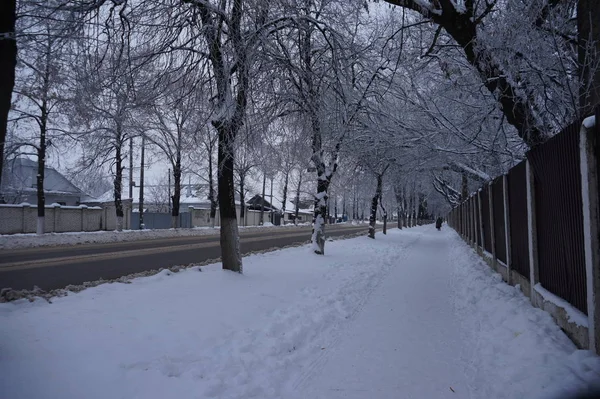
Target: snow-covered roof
column 21, row 175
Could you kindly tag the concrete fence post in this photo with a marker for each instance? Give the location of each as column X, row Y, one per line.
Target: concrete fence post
column 55, row 213
column 588, row 146
column 506, row 226
column 534, row 272
column 57, row 217
column 83, row 217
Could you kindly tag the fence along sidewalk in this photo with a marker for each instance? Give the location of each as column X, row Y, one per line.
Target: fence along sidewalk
column 538, row 227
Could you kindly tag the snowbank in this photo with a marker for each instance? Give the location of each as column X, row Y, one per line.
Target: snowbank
column 15, row 241
column 518, row 348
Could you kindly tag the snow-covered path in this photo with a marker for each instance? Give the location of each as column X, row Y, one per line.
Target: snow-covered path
column 414, row 314
column 406, row 342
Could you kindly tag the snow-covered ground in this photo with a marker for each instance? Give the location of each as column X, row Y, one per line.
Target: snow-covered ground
column 15, row 241
column 414, row 314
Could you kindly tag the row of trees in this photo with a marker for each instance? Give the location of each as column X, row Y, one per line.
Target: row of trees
column 425, row 98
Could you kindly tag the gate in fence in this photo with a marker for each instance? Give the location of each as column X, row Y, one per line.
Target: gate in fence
column 155, row 220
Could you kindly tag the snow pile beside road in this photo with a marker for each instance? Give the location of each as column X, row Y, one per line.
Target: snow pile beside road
column 519, row 349
column 15, row 241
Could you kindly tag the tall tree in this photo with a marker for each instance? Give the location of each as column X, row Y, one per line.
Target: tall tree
column 109, row 96
column 588, row 28
column 466, row 23
column 8, row 63
column 43, row 67
column 232, row 35
column 175, row 120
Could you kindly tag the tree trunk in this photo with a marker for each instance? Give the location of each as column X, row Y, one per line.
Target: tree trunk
column 398, row 195
column 285, row 190
column 262, row 201
column 118, row 183
column 227, row 127
column 176, row 191
column 230, row 240
column 588, row 26
column 465, row 187
column 318, row 236
column 384, row 212
column 297, row 204
column 131, row 168
column 8, row 63
column 374, row 203
column 41, row 153
column 242, row 199
column 211, row 190
column 41, row 199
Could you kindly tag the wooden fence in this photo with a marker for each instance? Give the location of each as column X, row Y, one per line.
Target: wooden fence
column 538, row 227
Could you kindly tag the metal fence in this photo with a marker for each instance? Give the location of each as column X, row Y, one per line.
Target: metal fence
column 154, row 220
column 485, row 219
column 559, row 216
column 517, row 219
column 557, row 221
column 498, row 216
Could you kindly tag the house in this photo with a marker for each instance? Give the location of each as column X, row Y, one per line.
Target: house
column 304, row 214
column 19, row 184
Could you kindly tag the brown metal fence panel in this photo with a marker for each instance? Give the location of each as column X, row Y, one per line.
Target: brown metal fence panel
column 470, row 218
column 597, row 146
column 464, row 219
column 460, row 219
column 499, row 225
column 517, row 215
column 485, row 218
column 559, row 216
column 463, row 211
column 467, row 220
column 477, row 225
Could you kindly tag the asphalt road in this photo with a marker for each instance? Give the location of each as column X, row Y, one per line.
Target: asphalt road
column 57, row 267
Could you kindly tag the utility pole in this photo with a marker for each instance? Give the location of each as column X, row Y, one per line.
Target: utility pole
column 271, row 201
column 131, row 169
column 262, row 200
column 142, row 185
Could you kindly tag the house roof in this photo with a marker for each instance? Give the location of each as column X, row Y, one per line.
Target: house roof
column 21, row 175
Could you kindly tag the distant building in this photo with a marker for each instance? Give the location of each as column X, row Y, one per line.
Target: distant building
column 19, row 184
